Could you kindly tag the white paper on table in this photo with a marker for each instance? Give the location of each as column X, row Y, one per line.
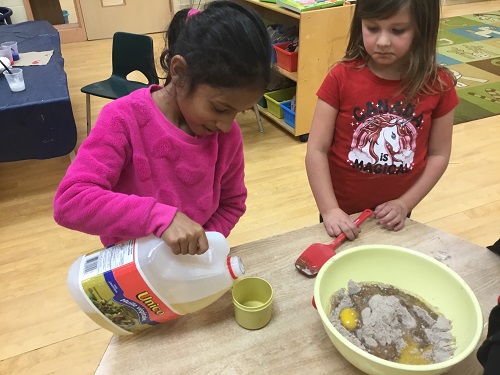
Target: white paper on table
column 34, row 58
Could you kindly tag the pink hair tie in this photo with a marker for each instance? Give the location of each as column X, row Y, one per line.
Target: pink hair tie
column 192, row 12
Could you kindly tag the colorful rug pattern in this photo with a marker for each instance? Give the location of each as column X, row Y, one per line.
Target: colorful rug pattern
column 470, row 47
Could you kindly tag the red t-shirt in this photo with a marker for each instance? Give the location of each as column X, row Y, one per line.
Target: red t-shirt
column 379, row 148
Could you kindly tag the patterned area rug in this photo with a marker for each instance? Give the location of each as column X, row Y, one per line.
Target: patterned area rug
column 470, row 46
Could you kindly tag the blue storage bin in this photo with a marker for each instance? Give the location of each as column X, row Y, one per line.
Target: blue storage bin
column 288, row 114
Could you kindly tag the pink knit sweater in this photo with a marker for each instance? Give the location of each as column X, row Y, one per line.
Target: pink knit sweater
column 136, row 169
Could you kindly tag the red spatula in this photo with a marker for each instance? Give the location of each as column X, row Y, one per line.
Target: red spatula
column 313, row 258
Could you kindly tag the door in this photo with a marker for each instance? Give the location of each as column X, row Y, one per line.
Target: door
column 64, row 15
column 104, row 17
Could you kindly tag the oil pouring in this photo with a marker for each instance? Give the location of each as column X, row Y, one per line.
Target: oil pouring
column 139, row 283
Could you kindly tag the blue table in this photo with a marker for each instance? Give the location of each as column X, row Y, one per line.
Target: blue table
column 36, row 123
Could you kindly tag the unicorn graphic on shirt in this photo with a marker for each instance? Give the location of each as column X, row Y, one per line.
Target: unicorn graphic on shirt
column 384, row 139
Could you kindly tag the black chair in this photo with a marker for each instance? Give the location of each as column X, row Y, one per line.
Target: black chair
column 5, row 14
column 131, row 52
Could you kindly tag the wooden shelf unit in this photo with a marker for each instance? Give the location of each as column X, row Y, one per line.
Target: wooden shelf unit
column 323, row 36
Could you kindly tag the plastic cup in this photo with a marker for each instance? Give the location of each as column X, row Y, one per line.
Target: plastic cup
column 252, row 300
column 6, row 52
column 13, row 48
column 15, row 80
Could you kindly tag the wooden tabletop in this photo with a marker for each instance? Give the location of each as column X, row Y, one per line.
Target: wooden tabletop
column 294, row 342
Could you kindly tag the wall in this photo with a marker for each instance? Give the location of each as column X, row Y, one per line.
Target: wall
column 181, row 4
column 18, row 12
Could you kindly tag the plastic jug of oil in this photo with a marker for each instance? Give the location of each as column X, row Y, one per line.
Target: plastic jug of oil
column 139, row 283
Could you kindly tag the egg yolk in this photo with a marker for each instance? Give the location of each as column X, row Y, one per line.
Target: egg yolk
column 413, row 355
column 349, row 318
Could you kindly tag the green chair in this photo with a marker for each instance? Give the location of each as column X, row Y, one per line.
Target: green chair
column 131, row 52
column 5, row 14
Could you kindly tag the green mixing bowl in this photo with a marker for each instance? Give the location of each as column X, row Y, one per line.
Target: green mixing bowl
column 411, row 272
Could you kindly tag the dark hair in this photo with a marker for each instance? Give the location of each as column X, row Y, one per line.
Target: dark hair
column 421, row 75
column 226, row 45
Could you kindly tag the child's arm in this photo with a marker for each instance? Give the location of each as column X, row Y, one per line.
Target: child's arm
column 84, row 200
column 335, row 220
column 392, row 214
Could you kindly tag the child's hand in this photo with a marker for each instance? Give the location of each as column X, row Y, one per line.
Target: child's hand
column 392, row 214
column 337, row 221
column 184, row 236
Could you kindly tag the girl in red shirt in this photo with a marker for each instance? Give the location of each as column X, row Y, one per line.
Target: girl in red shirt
column 381, row 133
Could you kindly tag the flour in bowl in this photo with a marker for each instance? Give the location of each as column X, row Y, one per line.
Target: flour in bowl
column 392, row 324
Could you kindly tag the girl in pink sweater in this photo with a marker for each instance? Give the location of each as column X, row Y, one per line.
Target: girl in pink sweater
column 168, row 160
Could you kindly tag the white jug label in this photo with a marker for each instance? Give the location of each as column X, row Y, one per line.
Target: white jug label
column 113, row 283
column 107, row 259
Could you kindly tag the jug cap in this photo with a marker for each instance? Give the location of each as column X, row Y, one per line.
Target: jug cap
column 235, row 266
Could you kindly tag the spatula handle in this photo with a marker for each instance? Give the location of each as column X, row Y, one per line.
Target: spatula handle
column 364, row 215
column 342, row 237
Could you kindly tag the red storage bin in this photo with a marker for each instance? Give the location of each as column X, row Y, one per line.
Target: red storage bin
column 286, row 60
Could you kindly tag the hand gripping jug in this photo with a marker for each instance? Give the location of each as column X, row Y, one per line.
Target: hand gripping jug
column 138, row 283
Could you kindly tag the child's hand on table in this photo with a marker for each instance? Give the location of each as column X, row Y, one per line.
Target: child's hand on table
column 392, row 214
column 337, row 222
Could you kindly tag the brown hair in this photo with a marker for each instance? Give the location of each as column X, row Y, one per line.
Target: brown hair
column 421, row 76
